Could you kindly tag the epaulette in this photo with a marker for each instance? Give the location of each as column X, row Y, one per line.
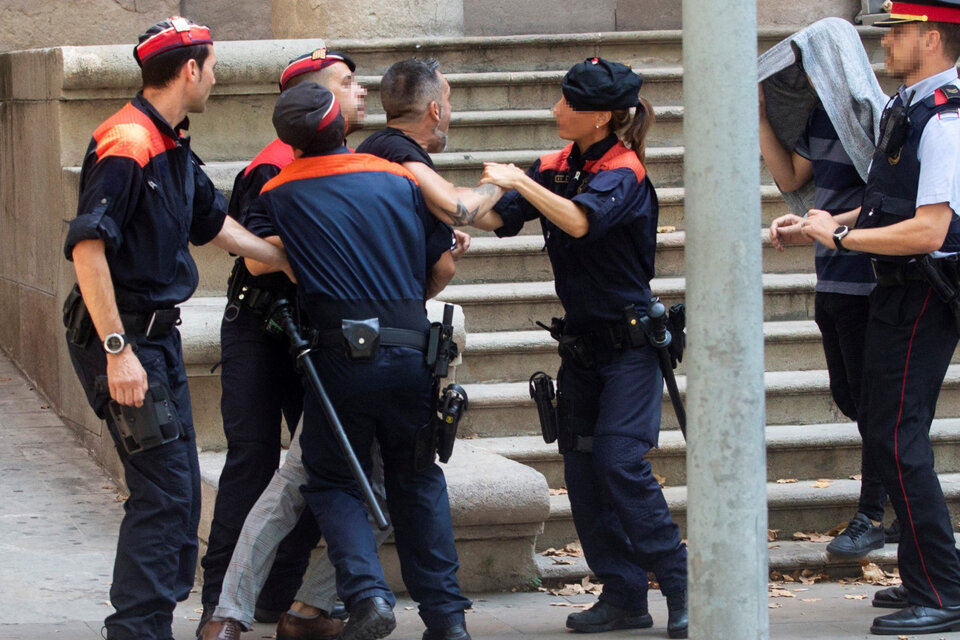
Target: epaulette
column 130, row 133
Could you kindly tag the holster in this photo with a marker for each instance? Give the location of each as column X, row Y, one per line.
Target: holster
column 543, row 392
column 146, row 427
column 77, row 319
column 437, row 437
column 943, row 275
column 677, row 324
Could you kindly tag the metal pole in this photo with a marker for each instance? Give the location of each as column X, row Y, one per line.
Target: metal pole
column 726, row 457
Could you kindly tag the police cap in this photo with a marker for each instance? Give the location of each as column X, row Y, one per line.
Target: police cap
column 308, row 117
column 316, row 60
column 600, row 85
column 922, row 11
column 170, row 34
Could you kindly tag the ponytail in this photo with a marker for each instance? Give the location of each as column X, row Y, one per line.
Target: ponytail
column 632, row 126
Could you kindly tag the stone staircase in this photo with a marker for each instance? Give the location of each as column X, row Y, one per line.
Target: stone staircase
column 502, row 89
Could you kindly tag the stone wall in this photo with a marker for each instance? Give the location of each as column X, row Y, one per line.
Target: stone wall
column 26, row 24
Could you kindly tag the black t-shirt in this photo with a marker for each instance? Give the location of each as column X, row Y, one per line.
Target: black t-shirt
column 396, row 146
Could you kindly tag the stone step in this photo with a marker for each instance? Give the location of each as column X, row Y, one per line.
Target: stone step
column 494, row 130
column 800, row 452
column 515, row 306
column 784, row 556
column 497, row 507
column 523, row 259
column 790, row 507
column 792, row 398
column 510, row 356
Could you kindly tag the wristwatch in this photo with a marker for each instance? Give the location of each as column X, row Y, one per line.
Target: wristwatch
column 838, row 235
column 114, row 343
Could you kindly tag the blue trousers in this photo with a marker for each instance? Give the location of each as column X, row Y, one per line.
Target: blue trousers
column 157, row 545
column 388, row 399
column 842, row 320
column 260, row 384
column 911, row 336
column 618, row 507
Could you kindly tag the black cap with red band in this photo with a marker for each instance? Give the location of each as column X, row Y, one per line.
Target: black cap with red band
column 308, row 117
column 922, row 11
column 314, row 61
column 170, row 34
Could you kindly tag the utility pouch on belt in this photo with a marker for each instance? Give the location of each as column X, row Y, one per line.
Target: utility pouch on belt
column 77, row 319
column 441, row 347
column 543, row 393
column 677, row 324
column 149, row 426
column 362, row 338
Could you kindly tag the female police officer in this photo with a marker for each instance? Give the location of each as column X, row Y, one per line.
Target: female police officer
column 598, row 211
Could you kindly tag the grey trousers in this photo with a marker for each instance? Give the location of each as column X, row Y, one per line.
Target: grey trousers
column 272, row 517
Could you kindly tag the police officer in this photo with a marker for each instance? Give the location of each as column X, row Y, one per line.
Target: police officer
column 143, row 196
column 259, row 380
column 909, row 223
column 598, row 210
column 363, row 292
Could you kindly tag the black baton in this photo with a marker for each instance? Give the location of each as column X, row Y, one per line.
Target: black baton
column 300, row 348
column 660, row 340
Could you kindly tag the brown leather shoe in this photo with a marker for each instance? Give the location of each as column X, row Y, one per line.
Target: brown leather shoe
column 221, row 630
column 322, row 627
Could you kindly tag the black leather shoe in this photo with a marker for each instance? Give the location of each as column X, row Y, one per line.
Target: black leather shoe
column 891, row 598
column 339, row 612
column 456, row 632
column 678, row 620
column 605, row 617
column 916, row 620
column 370, row 619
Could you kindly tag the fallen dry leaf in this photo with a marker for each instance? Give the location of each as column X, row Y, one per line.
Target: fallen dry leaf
column 661, row 480
column 810, row 599
column 558, row 492
column 564, row 561
column 773, row 605
column 822, row 483
column 786, row 480
column 856, row 476
column 781, row 593
column 772, row 534
column 666, row 229
column 855, row 596
column 873, row 574
column 837, row 530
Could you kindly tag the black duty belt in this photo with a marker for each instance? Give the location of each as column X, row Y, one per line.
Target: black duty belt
column 389, row 337
column 894, row 274
column 155, row 324
column 614, row 337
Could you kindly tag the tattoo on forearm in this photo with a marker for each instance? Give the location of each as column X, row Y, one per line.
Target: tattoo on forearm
column 463, row 215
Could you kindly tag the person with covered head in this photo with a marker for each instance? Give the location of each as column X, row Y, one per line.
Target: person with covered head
column 598, row 210
column 261, row 386
column 356, row 228
column 143, row 198
column 909, row 224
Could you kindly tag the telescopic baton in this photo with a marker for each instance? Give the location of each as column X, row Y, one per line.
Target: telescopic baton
column 300, row 349
column 660, row 340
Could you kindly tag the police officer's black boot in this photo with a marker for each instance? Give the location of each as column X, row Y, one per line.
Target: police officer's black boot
column 678, row 621
column 891, row 598
column 370, row 619
column 456, row 632
column 606, row 617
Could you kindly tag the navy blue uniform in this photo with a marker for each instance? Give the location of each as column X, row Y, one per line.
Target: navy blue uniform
column 355, row 230
column 143, row 193
column 260, row 385
column 618, row 507
column 911, row 337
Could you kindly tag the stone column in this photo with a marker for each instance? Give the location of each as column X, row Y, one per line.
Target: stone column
column 726, row 458
column 361, row 20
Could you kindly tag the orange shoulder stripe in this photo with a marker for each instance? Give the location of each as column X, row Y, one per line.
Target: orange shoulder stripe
column 618, row 157
column 130, row 133
column 333, row 165
column 556, row 161
column 278, row 153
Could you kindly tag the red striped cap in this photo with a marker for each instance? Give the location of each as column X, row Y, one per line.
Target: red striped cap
column 307, row 117
column 172, row 33
column 931, row 11
column 314, row 61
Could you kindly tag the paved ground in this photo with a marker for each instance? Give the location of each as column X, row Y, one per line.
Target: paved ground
column 59, row 515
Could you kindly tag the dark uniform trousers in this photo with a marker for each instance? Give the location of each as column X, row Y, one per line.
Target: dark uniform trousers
column 389, row 399
column 157, row 545
column 618, row 506
column 260, row 383
column 911, row 337
column 842, row 320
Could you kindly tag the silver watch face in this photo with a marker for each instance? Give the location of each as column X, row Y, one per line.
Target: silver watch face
column 114, row 343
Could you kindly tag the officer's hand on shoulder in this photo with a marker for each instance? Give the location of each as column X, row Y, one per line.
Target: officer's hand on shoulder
column 126, row 378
